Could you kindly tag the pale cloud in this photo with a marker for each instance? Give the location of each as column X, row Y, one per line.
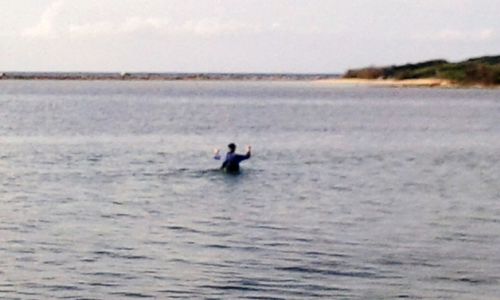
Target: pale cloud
column 136, row 24
column 133, row 25
column 92, row 29
column 204, row 27
column 210, row 27
column 46, row 27
column 161, row 26
column 487, row 34
column 54, row 23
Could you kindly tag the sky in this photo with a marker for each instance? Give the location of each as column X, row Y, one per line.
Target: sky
column 269, row 36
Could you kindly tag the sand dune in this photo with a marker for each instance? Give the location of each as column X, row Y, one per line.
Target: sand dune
column 428, row 82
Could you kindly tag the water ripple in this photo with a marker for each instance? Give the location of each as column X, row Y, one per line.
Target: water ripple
column 109, row 190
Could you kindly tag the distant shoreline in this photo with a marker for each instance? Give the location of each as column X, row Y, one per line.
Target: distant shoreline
column 322, row 79
column 165, row 76
column 404, row 83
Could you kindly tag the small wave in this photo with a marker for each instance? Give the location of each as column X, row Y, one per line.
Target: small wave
column 119, row 215
column 230, row 287
column 102, row 284
column 64, row 288
column 217, row 246
column 270, row 227
column 181, row 229
column 264, row 298
column 94, row 158
column 186, row 172
column 131, row 295
column 120, row 256
column 309, row 270
column 180, row 292
column 470, row 280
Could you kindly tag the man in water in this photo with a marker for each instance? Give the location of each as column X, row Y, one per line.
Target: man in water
column 232, row 162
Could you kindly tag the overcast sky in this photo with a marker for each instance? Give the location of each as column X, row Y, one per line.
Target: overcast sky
column 241, row 35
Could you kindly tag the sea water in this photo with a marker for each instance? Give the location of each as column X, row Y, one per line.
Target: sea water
column 108, row 190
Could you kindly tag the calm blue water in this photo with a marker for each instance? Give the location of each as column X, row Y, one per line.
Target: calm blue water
column 108, row 191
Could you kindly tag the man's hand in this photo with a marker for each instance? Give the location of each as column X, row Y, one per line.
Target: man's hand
column 217, row 154
column 249, row 148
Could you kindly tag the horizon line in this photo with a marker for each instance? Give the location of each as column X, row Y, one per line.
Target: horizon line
column 162, row 76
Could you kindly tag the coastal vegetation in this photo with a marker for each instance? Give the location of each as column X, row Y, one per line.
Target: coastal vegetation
column 475, row 71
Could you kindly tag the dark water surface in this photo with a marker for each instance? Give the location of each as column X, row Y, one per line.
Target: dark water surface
column 108, row 191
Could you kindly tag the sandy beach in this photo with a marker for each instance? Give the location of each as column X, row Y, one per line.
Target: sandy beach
column 428, row 82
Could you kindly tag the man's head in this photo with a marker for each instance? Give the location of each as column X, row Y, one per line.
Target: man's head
column 232, row 147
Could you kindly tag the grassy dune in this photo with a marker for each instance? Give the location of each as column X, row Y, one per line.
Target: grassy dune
column 475, row 71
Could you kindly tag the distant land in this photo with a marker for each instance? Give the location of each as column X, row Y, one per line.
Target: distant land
column 475, row 72
column 480, row 71
column 162, row 76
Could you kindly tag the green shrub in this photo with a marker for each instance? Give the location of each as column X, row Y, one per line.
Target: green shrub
column 482, row 70
column 366, row 73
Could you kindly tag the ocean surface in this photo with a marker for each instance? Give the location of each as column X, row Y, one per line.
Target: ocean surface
column 108, row 190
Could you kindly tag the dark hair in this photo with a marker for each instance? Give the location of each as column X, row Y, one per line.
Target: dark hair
column 232, row 146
